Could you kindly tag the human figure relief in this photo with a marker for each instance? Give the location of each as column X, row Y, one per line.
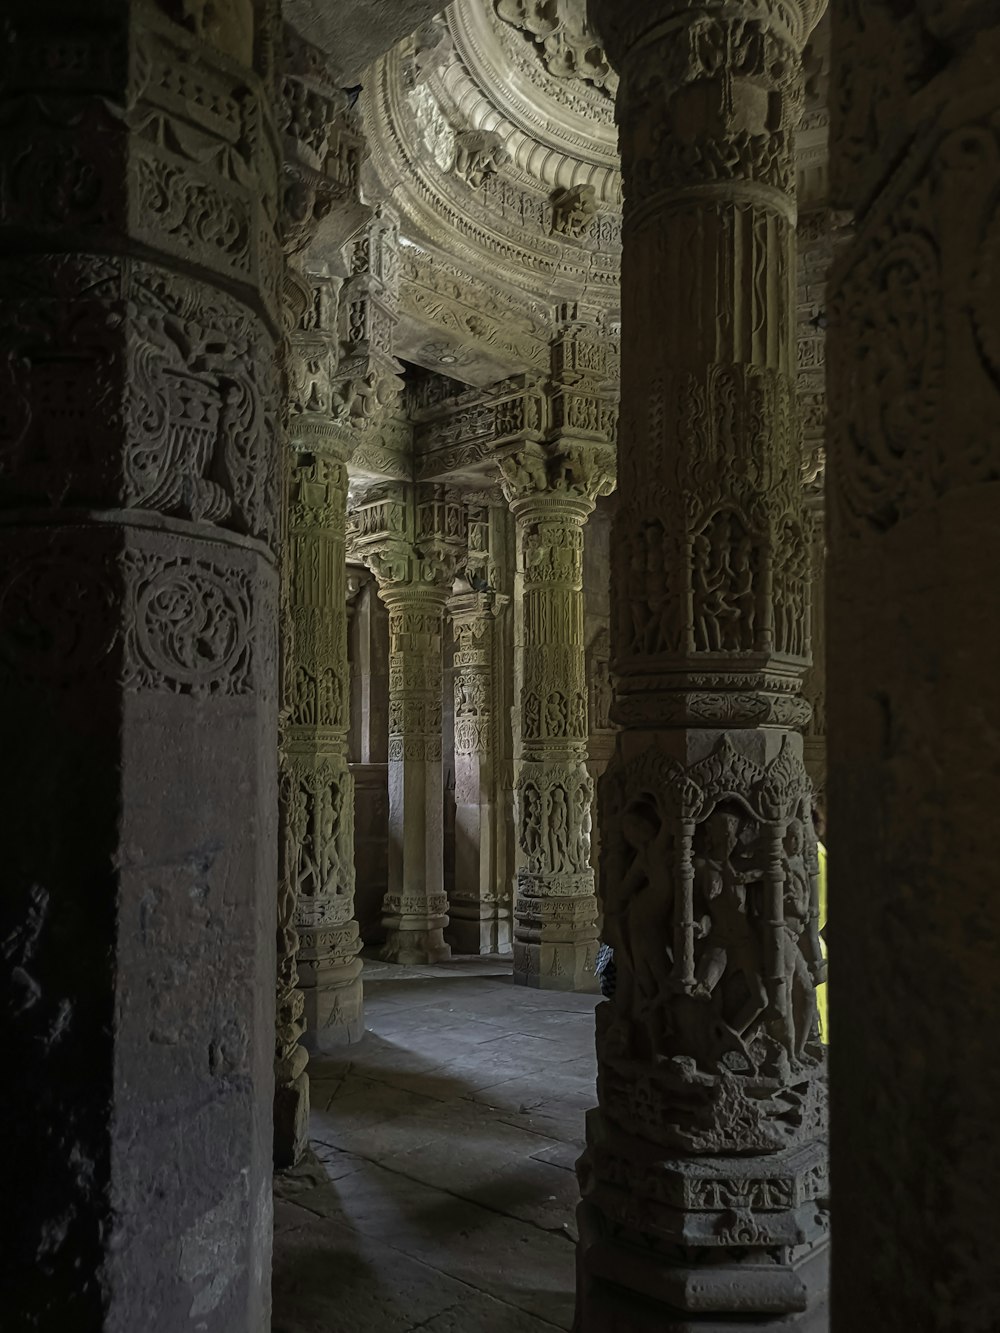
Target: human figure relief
column 328, row 829
column 558, row 820
column 738, row 612
column 639, row 920
column 710, row 574
column 582, row 827
column 302, row 834
column 733, row 950
column 639, row 603
column 555, row 714
column 804, row 966
column 655, row 641
column 303, row 698
column 578, row 715
column 329, row 697
column 532, row 716
column 532, row 832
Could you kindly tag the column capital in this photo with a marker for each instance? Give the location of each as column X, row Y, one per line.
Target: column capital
column 556, row 480
column 410, row 536
column 629, row 28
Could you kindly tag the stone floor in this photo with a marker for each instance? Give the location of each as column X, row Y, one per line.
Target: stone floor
column 441, row 1192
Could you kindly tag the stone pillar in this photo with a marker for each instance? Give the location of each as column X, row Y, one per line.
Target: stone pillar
column 139, row 316
column 317, row 787
column 913, row 639
column 555, row 911
column 315, row 879
column 480, row 919
column 704, row 1178
column 412, row 538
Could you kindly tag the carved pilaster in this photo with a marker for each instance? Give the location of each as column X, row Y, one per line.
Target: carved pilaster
column 480, row 915
column 413, row 538
column 704, row 1179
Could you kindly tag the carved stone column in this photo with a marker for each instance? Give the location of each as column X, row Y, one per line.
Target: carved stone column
column 704, row 1179
column 552, row 482
column 914, row 636
column 551, row 496
column 139, row 316
column 317, row 787
column 412, row 538
column 480, row 919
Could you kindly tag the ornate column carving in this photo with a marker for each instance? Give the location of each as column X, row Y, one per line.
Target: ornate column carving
column 318, row 974
column 551, row 488
column 412, row 538
column 480, row 916
column 704, row 1179
column 914, row 634
column 139, row 315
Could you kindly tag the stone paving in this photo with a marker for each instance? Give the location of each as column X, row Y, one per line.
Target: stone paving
column 440, row 1192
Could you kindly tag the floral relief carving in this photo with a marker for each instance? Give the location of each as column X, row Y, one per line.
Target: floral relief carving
column 194, row 626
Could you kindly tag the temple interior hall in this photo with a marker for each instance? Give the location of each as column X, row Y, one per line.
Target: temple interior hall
column 499, row 739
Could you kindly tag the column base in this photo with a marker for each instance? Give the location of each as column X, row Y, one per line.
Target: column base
column 623, row 1288
column 291, row 1121
column 414, row 948
column 414, row 930
column 566, row 967
column 555, row 932
column 479, row 928
column 334, row 1012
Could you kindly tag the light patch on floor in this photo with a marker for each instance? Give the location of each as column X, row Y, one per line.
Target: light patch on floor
column 440, row 1194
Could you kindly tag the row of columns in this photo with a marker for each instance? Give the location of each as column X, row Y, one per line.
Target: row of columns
column 139, row 674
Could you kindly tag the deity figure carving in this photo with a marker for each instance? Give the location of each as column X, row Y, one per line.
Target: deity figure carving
column 723, row 586
column 573, row 211
column 478, row 154
column 728, row 891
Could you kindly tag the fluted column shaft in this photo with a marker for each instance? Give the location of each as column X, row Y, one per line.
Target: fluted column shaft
column 703, row 1200
column 555, row 909
column 415, row 908
column 480, row 920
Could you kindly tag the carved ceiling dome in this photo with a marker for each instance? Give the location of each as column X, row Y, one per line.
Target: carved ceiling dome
column 492, row 132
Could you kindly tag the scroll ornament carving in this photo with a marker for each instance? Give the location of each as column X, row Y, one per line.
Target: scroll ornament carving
column 199, row 414
column 198, row 628
column 712, row 902
column 58, row 619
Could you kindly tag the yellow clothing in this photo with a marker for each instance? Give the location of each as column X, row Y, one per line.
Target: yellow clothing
column 824, row 1029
